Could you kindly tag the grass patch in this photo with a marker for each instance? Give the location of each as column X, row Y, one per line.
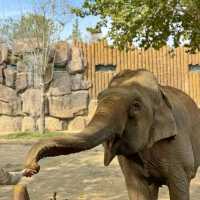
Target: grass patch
column 31, row 135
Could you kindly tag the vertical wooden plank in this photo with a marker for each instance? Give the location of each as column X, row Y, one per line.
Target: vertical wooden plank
column 93, row 70
column 101, row 52
column 145, row 59
column 149, row 60
column 155, row 62
column 174, row 69
column 105, row 62
column 105, row 53
column 183, row 69
column 137, row 58
column 121, row 60
column 114, row 52
column 102, row 62
column 85, row 61
column 141, row 64
column 111, row 61
column 180, row 68
column 101, row 46
column 168, row 66
column 124, row 60
column 118, row 60
column 163, row 66
column 99, row 75
column 196, row 79
column 110, row 55
column 89, row 50
column 186, row 74
column 191, row 78
column 158, row 65
column 129, row 59
column 171, row 68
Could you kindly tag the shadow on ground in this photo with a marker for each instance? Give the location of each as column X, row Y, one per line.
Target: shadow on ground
column 75, row 177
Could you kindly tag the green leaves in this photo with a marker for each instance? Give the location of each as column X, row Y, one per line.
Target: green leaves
column 150, row 23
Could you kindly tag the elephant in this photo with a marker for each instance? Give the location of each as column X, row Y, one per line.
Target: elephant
column 153, row 130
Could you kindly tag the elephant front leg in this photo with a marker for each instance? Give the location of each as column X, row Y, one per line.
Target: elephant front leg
column 138, row 188
column 179, row 190
column 178, row 185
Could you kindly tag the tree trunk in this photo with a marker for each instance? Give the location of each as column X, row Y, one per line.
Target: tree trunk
column 42, row 109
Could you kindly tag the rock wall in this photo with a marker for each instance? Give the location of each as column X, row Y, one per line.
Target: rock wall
column 67, row 97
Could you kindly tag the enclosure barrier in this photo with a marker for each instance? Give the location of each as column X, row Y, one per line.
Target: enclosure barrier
column 170, row 69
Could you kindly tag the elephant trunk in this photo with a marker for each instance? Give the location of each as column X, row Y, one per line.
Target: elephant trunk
column 100, row 129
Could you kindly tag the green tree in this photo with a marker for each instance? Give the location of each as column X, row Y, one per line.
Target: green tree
column 149, row 23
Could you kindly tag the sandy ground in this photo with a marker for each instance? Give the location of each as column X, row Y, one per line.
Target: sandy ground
column 75, row 177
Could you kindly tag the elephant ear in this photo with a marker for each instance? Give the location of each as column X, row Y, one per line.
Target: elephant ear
column 164, row 124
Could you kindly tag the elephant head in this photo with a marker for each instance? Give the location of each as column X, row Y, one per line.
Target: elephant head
column 133, row 113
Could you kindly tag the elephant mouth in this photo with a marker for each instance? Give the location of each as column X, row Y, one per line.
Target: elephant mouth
column 110, row 150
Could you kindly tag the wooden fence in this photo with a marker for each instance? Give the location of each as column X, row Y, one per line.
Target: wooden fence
column 169, row 70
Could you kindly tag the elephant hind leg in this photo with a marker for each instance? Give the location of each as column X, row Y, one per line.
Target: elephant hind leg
column 138, row 188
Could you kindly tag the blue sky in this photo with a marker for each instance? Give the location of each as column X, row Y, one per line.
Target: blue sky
column 15, row 8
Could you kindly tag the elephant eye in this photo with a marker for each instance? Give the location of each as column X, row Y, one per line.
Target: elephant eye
column 135, row 108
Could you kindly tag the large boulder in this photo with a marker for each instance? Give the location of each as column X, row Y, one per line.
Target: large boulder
column 10, row 103
column 21, row 81
column 33, row 64
column 4, row 51
column 2, row 74
column 13, row 58
column 53, row 124
column 62, row 53
column 22, row 45
column 21, row 67
column 61, row 84
column 31, row 102
column 10, row 76
column 79, row 101
column 28, row 124
column 68, row 105
column 77, row 124
column 78, row 83
column 60, row 106
column 10, row 124
column 77, row 62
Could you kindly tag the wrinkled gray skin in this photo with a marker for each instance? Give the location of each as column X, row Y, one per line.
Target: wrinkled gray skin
column 154, row 131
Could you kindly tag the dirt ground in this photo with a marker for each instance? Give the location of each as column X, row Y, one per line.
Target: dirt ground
column 75, row 177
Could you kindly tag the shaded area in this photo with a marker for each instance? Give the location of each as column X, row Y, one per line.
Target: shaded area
column 75, row 177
